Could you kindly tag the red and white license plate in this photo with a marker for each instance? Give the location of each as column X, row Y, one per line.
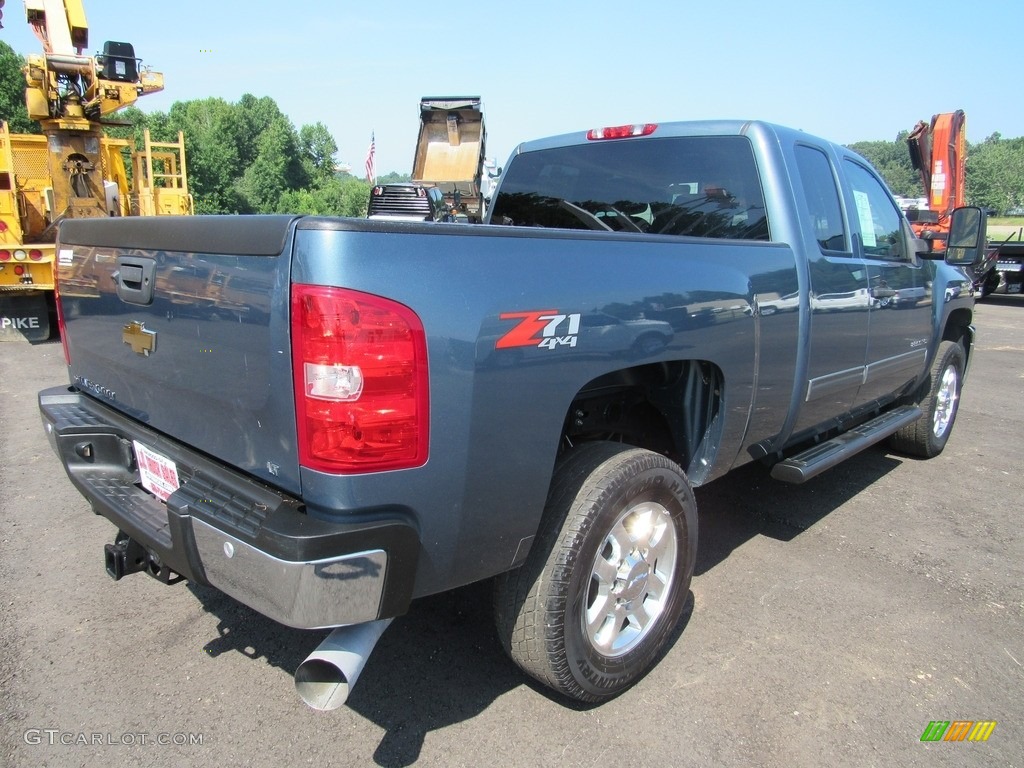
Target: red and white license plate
column 159, row 474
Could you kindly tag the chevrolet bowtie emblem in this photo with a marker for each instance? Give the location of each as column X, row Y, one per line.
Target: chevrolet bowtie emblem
column 141, row 341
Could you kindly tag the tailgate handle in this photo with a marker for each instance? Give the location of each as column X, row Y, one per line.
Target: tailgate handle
column 135, row 279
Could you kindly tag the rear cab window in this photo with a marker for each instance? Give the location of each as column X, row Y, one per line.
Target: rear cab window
column 821, row 195
column 705, row 186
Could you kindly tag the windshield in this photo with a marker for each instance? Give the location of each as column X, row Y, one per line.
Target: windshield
column 697, row 186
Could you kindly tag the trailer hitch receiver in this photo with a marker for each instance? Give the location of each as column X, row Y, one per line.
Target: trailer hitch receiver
column 126, row 556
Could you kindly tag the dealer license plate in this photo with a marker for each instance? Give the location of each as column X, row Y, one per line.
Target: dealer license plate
column 159, row 474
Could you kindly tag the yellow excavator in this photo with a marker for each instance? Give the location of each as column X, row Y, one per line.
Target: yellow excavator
column 72, row 170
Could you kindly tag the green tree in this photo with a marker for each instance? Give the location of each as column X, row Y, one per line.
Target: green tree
column 335, row 197
column 276, row 168
column 394, row 178
column 243, row 157
column 318, row 150
column 211, row 127
column 12, row 92
column 995, row 173
column 127, row 123
column 355, row 197
column 255, row 115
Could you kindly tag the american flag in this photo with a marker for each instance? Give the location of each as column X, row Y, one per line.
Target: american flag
column 371, row 171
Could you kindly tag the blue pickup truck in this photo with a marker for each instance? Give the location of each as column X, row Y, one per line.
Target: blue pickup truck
column 327, row 418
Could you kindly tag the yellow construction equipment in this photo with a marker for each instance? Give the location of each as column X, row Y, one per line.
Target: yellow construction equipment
column 73, row 170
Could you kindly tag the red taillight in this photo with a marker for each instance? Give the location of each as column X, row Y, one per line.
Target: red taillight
column 361, row 388
column 621, row 131
column 5, row 255
column 35, row 255
column 19, row 270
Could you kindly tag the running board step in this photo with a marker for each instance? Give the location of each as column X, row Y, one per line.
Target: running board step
column 822, row 456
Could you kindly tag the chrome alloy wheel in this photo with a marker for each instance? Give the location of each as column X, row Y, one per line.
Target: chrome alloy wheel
column 945, row 401
column 631, row 579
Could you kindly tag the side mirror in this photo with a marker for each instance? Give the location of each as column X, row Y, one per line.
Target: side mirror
column 966, row 244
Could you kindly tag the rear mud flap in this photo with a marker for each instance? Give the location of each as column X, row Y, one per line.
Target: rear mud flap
column 24, row 316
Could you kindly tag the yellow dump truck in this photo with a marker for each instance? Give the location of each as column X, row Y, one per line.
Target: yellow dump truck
column 450, row 152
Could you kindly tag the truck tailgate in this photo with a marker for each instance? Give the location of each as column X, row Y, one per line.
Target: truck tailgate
column 182, row 324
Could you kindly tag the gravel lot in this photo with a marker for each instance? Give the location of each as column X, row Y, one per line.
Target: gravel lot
column 831, row 623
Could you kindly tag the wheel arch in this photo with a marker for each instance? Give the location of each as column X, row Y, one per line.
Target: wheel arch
column 959, row 328
column 672, row 407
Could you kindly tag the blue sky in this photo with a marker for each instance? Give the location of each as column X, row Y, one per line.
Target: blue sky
column 842, row 70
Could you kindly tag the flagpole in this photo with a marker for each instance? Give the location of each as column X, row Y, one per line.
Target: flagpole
column 371, row 161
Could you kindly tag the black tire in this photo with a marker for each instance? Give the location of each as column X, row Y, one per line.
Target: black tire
column 939, row 400
column 562, row 617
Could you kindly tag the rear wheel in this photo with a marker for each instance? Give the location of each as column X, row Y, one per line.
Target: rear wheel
column 606, row 582
column 927, row 436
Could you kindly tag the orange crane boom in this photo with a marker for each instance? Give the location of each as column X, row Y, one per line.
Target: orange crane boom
column 938, row 152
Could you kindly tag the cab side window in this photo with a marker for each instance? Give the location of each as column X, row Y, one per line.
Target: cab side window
column 880, row 220
column 822, row 198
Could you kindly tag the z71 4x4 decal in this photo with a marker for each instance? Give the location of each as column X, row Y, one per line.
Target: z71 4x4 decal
column 545, row 328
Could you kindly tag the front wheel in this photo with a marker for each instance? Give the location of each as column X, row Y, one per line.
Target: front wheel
column 927, row 436
column 607, row 580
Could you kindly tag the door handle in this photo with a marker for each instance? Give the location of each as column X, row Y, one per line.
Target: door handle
column 135, row 278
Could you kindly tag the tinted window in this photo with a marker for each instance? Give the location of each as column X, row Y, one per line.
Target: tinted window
column 822, row 197
column 699, row 186
column 880, row 220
